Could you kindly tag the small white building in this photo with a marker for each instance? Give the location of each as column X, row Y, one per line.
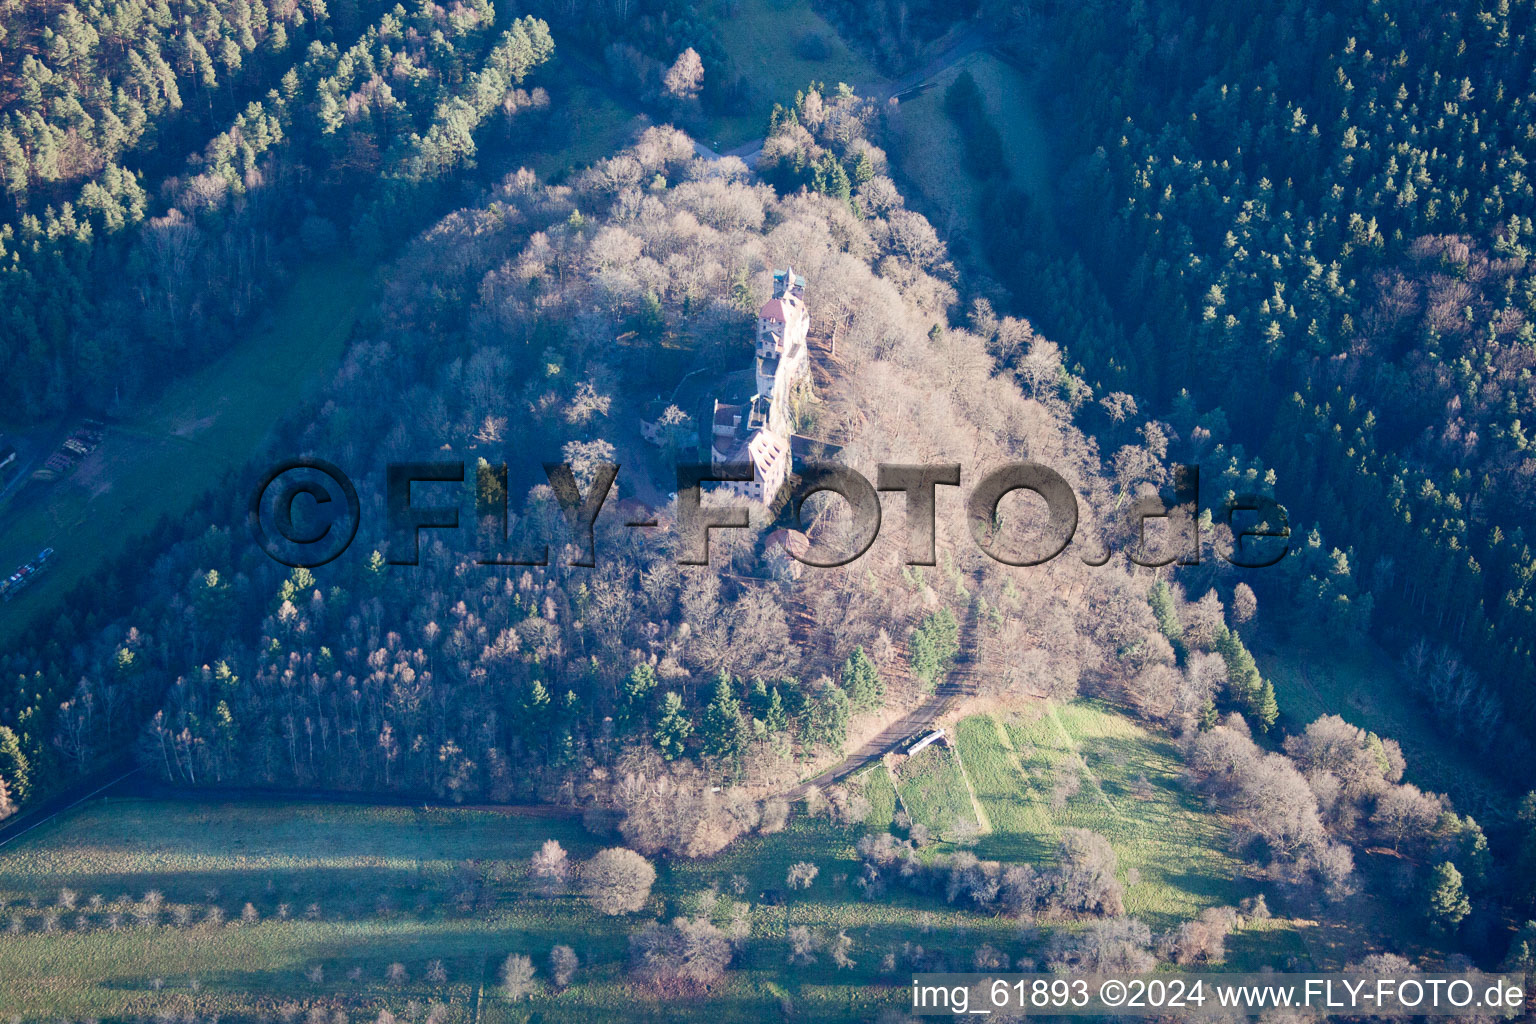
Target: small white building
column 936, row 736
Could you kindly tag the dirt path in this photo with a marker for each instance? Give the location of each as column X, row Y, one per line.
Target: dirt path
column 480, row 990
column 972, row 40
column 917, row 720
column 959, row 683
column 981, row 812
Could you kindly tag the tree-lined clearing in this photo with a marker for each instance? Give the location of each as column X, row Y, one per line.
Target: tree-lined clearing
column 206, row 424
column 780, row 46
column 1366, row 688
column 1086, row 767
column 589, row 123
column 931, row 156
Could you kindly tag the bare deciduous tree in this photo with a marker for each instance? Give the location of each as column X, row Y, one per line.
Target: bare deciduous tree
column 803, row 945
column 562, row 965
column 617, row 881
column 681, row 957
column 801, row 875
column 685, row 77
column 550, row 868
column 517, row 976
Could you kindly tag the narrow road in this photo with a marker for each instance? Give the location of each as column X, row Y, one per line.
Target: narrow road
column 919, row 719
column 34, row 817
column 969, row 42
column 959, row 683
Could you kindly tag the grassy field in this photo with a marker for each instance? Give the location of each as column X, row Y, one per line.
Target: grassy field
column 876, row 786
column 1084, row 766
column 1362, row 685
column 385, row 885
column 931, row 155
column 340, row 893
column 367, row 872
column 160, row 461
column 762, row 37
column 595, row 127
column 933, row 791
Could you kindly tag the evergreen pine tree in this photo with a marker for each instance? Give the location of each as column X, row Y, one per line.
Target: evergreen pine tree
column 1448, row 905
column 1208, row 716
column 636, row 694
column 536, row 706
column 723, row 730
column 757, row 699
column 1522, row 951
column 865, row 689
column 776, row 719
column 14, row 765
column 1244, row 684
column 673, row 727
column 1525, row 844
column 826, row 719
column 1161, row 600
column 935, row 642
column 1267, row 709
column 1472, row 852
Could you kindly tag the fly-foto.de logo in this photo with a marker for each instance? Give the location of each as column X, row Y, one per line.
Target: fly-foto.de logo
column 306, row 512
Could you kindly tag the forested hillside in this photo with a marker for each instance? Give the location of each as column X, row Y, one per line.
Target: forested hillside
column 1289, row 245
column 1306, row 234
column 164, row 166
column 637, row 687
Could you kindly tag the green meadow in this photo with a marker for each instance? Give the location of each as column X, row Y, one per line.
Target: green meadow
column 930, row 150
column 1082, row 765
column 338, row 894
column 160, row 461
column 764, row 40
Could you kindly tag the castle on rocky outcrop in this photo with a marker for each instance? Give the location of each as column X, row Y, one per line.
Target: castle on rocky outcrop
column 758, row 432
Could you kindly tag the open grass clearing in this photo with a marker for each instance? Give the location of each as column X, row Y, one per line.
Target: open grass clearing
column 160, row 461
column 1366, row 688
column 875, row 783
column 1082, row 765
column 765, row 40
column 933, row 790
column 587, row 125
column 931, row 152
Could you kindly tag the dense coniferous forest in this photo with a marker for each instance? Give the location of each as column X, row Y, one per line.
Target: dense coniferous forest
column 331, row 139
column 1305, row 235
